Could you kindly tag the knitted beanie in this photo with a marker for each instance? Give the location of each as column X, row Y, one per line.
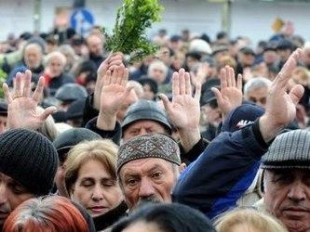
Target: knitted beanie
column 29, row 158
column 289, row 150
column 145, row 110
column 149, row 146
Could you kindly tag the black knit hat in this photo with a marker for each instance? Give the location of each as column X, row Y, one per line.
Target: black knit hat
column 289, row 150
column 148, row 146
column 69, row 138
column 29, row 158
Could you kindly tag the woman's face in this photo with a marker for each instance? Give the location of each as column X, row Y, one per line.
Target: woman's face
column 95, row 188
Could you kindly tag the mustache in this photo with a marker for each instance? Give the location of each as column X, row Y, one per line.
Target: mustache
column 147, row 200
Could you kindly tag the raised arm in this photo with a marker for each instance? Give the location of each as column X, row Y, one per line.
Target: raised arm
column 22, row 103
column 230, row 94
column 184, row 110
column 281, row 104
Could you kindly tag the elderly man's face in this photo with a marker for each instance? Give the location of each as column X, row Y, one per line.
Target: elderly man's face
column 287, row 196
column 147, row 180
column 12, row 194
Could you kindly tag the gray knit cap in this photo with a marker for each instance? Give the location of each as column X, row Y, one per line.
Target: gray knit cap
column 289, row 150
column 149, row 146
column 145, row 110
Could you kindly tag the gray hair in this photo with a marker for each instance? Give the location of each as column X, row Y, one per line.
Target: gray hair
column 256, row 83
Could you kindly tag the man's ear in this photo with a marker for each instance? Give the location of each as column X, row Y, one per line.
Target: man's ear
column 182, row 167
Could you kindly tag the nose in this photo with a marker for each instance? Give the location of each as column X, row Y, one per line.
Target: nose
column 3, row 194
column 297, row 193
column 143, row 131
column 97, row 193
column 146, row 188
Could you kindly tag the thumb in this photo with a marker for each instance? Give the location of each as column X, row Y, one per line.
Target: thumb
column 296, row 93
column 47, row 112
column 218, row 95
column 165, row 100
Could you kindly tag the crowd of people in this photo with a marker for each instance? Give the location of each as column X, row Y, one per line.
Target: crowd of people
column 203, row 135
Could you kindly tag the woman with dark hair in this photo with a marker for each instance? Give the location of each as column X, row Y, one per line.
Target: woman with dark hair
column 165, row 218
column 46, row 214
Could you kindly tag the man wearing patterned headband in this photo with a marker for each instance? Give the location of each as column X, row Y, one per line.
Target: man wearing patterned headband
column 148, row 168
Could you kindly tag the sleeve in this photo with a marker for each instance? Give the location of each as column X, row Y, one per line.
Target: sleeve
column 115, row 135
column 89, row 111
column 222, row 173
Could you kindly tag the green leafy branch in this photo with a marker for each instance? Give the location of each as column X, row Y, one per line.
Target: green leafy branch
column 132, row 20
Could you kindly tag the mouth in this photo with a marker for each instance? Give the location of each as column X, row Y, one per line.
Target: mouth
column 98, row 209
column 295, row 212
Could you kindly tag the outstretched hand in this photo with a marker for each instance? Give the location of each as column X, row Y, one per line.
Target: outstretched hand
column 281, row 105
column 22, row 103
column 230, row 95
column 110, row 63
column 184, row 110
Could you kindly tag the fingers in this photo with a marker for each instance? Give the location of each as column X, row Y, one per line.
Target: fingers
column 17, row 92
column 47, row 112
column 165, row 101
column 38, row 93
column 175, row 84
column 284, row 75
column 197, row 85
column 27, row 84
column 218, row 95
column 181, row 83
column 239, row 82
column 296, row 93
column 7, row 94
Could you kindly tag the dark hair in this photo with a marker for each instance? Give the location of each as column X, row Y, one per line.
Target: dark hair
column 169, row 218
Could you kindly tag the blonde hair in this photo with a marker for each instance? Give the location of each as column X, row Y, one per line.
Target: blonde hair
column 103, row 150
column 249, row 218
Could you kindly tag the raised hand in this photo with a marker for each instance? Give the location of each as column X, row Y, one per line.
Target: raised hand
column 184, row 109
column 230, row 95
column 281, row 105
column 110, row 63
column 114, row 91
column 22, row 103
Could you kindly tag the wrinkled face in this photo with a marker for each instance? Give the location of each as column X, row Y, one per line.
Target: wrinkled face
column 142, row 226
column 143, row 127
column 33, row 56
column 147, row 180
column 12, row 194
column 258, row 96
column 95, row 189
column 287, row 196
column 56, row 66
